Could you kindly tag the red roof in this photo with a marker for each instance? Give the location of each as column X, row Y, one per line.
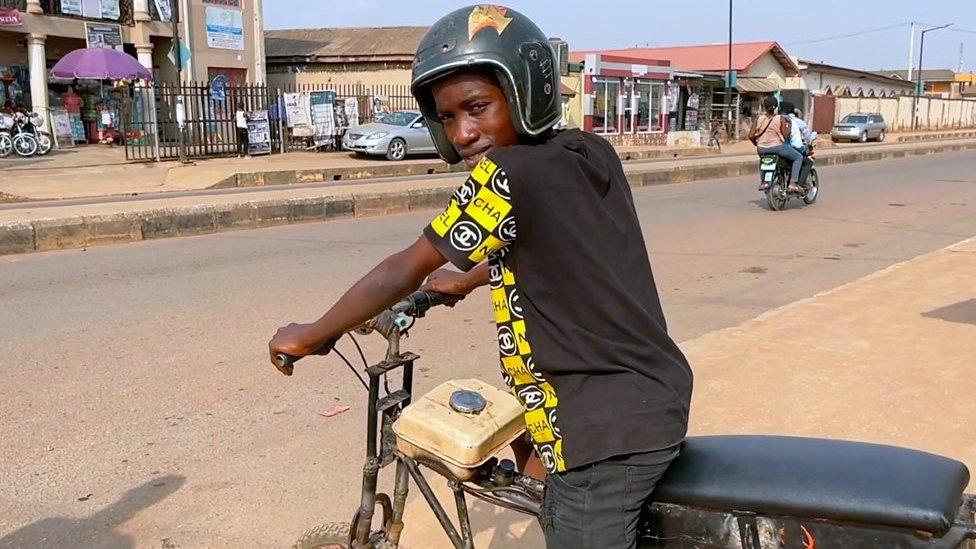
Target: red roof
column 708, row 58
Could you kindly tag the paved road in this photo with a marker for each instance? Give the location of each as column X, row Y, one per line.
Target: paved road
column 138, row 409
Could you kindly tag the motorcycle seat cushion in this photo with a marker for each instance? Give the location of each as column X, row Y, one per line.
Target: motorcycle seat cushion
column 818, row 479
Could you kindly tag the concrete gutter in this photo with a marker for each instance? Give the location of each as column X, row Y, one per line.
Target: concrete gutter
column 130, row 226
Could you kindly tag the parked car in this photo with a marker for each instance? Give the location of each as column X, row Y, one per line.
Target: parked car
column 860, row 126
column 394, row 135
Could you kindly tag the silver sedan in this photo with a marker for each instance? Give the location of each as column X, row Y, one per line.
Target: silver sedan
column 394, row 135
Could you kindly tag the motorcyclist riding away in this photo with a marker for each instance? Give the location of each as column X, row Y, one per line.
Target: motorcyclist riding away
column 581, row 333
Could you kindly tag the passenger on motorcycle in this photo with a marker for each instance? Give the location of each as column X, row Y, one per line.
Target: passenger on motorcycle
column 801, row 138
column 581, row 333
column 771, row 135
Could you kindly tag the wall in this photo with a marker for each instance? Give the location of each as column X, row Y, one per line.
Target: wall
column 768, row 67
column 817, row 81
column 325, row 75
column 204, row 56
column 934, row 114
column 574, row 118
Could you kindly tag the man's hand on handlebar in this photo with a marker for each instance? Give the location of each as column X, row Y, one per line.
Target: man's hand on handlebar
column 293, row 340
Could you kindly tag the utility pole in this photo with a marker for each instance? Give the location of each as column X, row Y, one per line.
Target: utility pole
column 178, row 58
column 911, row 52
column 918, row 76
column 960, row 58
column 728, row 76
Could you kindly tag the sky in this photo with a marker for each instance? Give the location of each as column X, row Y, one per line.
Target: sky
column 829, row 31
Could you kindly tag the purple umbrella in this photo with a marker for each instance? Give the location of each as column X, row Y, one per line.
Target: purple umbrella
column 99, row 64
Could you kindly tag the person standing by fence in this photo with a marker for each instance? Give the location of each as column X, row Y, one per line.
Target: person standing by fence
column 240, row 119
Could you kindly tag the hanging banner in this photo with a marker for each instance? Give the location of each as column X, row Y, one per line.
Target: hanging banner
column 91, row 8
column 323, row 116
column 71, row 7
column 225, row 29
column 258, row 133
column 103, row 35
column 10, row 17
column 77, row 127
column 163, row 8
column 296, row 114
column 110, row 10
column 218, row 88
column 352, row 111
column 229, row 3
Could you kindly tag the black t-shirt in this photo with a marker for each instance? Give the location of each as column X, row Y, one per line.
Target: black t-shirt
column 570, row 274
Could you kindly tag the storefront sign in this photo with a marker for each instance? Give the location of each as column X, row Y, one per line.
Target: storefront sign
column 71, row 7
column 228, row 3
column 258, row 133
column 225, row 29
column 104, row 35
column 61, row 123
column 323, row 116
column 110, row 10
column 10, row 17
column 91, row 8
column 164, row 9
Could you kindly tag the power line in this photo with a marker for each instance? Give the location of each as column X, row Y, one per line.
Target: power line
column 850, row 35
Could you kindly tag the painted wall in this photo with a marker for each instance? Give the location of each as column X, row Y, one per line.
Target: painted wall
column 768, row 67
column 325, row 75
column 934, row 114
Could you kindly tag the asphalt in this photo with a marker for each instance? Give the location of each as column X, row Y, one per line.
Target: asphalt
column 139, row 409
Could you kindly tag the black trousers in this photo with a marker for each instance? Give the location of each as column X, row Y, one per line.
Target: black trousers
column 598, row 506
column 242, row 141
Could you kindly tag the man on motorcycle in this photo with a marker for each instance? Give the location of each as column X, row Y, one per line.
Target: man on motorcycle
column 581, row 334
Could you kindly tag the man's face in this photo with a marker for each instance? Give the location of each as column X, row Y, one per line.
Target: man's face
column 473, row 109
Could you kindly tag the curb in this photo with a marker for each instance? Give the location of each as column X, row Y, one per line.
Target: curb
column 83, row 231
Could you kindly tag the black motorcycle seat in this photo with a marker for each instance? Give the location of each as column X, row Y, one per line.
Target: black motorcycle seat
column 818, row 479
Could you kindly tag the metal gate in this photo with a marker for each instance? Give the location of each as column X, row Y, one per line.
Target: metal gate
column 151, row 116
column 824, row 109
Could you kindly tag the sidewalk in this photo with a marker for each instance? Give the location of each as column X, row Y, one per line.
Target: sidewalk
column 54, row 225
column 95, row 170
column 886, row 359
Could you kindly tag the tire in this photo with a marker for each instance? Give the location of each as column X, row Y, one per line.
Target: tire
column 814, row 192
column 334, row 535
column 44, row 143
column 881, row 137
column 397, row 150
column 25, row 144
column 776, row 196
column 864, row 137
column 6, row 145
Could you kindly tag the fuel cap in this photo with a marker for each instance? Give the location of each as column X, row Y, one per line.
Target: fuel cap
column 468, row 402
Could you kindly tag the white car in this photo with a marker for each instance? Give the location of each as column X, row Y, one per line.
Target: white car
column 394, row 135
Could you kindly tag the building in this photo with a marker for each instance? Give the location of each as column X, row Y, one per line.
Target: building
column 936, row 82
column 341, row 56
column 698, row 79
column 824, row 79
column 218, row 36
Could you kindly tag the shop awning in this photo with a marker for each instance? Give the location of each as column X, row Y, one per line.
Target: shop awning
column 566, row 90
column 756, row 85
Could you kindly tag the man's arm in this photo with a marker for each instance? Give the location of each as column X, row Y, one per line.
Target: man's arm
column 452, row 282
column 393, row 279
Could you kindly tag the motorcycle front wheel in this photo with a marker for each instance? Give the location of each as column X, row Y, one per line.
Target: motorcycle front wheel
column 334, row 535
column 25, row 144
column 814, row 191
column 44, row 143
column 776, row 196
column 6, row 144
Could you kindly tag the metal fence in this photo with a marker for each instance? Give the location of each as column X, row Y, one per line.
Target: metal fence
column 151, row 129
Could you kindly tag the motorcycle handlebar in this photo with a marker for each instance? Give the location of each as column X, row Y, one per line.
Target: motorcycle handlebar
column 416, row 305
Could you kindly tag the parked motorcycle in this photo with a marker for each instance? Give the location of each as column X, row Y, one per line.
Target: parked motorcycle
column 752, row 492
column 774, row 173
column 23, row 134
column 6, row 137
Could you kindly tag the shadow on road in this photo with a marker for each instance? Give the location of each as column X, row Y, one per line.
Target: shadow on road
column 98, row 529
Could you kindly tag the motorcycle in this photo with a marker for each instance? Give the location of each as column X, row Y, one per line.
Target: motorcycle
column 774, row 173
column 6, row 137
column 751, row 492
column 24, row 140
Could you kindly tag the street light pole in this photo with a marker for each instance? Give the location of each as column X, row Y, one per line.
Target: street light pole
column 178, row 58
column 918, row 75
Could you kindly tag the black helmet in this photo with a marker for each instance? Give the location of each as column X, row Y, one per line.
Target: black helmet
column 499, row 38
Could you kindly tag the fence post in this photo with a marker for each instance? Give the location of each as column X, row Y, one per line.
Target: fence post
column 280, row 108
column 153, row 122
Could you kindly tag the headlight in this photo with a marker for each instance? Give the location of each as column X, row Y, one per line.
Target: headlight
column 379, row 135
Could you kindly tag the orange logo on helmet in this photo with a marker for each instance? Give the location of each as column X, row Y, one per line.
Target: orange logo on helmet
column 488, row 16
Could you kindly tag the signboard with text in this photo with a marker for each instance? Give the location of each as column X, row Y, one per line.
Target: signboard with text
column 103, row 35
column 258, row 133
column 225, row 29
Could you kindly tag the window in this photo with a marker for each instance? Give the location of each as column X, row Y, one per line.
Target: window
column 606, row 96
column 648, row 101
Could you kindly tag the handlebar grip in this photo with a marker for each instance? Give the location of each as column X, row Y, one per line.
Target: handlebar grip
column 421, row 301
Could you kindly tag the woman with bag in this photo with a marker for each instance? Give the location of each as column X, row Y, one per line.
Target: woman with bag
column 771, row 135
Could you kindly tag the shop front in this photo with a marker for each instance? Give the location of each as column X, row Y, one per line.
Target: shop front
column 624, row 98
